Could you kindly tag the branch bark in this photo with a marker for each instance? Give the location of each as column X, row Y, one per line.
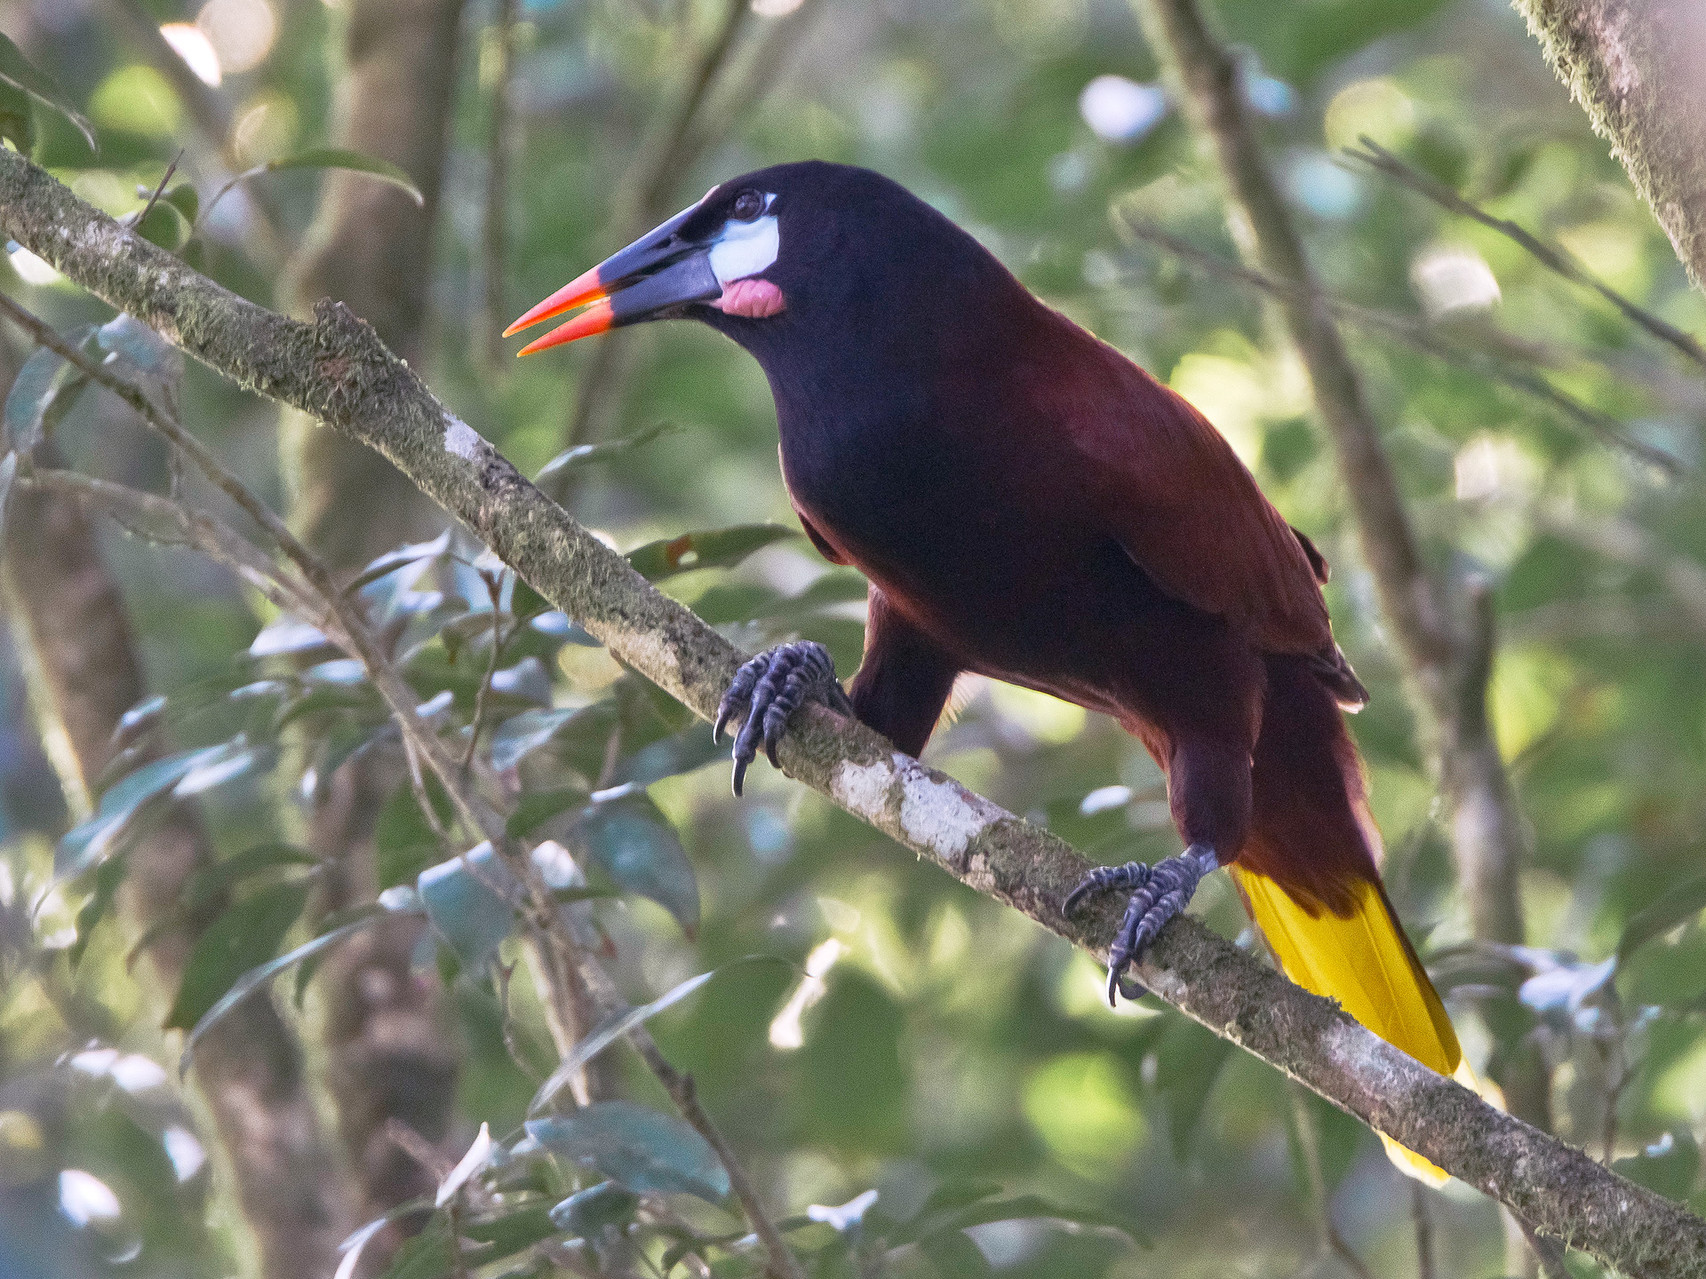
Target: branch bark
column 336, row 370
column 1634, row 66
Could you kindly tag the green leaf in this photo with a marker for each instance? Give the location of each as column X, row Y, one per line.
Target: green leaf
column 184, row 199
column 88, row 843
column 644, row 1150
column 538, row 807
column 401, row 557
column 1188, row 1062
column 246, row 935
column 713, row 548
column 1564, row 988
column 670, row 756
column 404, row 841
column 164, row 226
column 141, row 348
column 637, row 847
column 213, row 882
column 952, row 1196
column 16, row 71
column 32, row 395
column 521, row 735
column 586, row 1213
column 508, row 1234
column 17, row 118
column 107, row 880
column 8, row 473
column 586, row 454
column 427, row 1255
column 1679, row 904
column 349, row 161
column 984, row 1210
column 256, row 977
column 610, row 1031
column 955, row 1256
column 470, row 901
column 1668, row 1166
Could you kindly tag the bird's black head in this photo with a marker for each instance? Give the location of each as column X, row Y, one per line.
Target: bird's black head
column 798, row 262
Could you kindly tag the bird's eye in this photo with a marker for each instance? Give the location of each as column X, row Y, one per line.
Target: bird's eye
column 748, row 205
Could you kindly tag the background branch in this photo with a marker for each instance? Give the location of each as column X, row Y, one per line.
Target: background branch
column 1447, row 656
column 336, row 370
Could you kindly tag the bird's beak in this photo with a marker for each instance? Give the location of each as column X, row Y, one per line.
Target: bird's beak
column 656, row 273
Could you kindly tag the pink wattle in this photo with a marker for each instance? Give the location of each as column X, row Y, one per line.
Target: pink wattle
column 753, row 299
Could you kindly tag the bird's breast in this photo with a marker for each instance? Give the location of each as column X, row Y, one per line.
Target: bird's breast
column 979, row 547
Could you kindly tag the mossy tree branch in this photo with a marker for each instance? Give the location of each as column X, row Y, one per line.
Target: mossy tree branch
column 1635, row 67
column 337, row 370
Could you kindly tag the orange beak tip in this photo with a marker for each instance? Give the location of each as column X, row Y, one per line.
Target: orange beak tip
column 582, row 289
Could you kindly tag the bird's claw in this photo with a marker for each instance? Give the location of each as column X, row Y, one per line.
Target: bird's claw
column 772, row 686
column 1158, row 893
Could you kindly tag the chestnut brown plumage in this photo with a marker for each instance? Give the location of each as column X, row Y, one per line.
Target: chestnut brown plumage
column 1030, row 505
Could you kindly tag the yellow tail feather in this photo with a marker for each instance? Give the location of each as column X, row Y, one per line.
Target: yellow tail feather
column 1362, row 960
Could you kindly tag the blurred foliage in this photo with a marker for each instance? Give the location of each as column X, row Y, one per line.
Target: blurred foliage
column 920, row 1042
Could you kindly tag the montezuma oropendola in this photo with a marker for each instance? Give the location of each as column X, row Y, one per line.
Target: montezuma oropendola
column 1030, row 505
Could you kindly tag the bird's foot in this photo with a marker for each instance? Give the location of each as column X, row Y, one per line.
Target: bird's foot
column 1158, row 893
column 772, row 687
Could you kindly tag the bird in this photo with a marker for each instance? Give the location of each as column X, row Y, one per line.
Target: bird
column 1030, row 505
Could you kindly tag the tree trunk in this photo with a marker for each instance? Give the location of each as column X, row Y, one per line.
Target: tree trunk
column 1638, row 68
column 68, row 614
column 392, row 1057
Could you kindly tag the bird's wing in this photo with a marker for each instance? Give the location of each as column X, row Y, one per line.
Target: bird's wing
column 1188, row 512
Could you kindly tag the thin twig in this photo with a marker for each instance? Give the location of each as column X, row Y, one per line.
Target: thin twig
column 166, row 425
column 1422, row 337
column 499, row 147
column 502, row 973
column 417, row 783
column 1423, row 1218
column 682, row 1091
column 1554, row 259
column 1309, row 1142
column 1489, row 838
column 1617, row 1076
column 159, row 190
column 209, row 112
column 143, row 513
column 494, row 589
column 762, row 72
column 333, row 602
column 1549, row 1252
column 661, row 167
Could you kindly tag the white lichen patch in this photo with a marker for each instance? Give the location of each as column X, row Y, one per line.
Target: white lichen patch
column 461, row 439
column 941, row 815
column 861, row 789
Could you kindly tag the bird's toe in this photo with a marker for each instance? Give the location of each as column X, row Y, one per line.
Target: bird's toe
column 771, row 687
